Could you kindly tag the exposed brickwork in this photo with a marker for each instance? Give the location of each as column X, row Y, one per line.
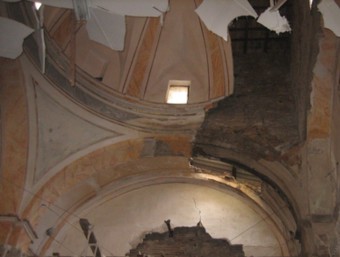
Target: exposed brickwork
column 186, row 242
column 305, row 34
column 259, row 119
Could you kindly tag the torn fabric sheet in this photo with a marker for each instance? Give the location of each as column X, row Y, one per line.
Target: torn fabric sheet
column 106, row 28
column 139, row 8
column 106, row 24
column 274, row 21
column 331, row 15
column 217, row 14
column 12, row 37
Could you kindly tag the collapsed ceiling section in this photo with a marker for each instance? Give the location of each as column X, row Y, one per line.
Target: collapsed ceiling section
column 217, row 14
column 141, row 8
column 252, row 35
column 106, row 19
column 106, row 22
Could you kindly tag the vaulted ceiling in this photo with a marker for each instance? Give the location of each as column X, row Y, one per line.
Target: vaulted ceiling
column 99, row 141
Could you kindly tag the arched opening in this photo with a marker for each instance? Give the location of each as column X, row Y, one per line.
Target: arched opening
column 123, row 215
column 102, row 139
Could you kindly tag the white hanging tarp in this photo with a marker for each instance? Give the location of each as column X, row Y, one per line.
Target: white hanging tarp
column 106, row 24
column 331, row 15
column 106, row 28
column 140, row 8
column 274, row 21
column 217, row 14
column 12, row 37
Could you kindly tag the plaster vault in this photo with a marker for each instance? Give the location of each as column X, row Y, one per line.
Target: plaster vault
column 87, row 134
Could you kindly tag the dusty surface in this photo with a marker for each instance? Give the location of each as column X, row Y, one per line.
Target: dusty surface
column 186, row 241
column 259, row 119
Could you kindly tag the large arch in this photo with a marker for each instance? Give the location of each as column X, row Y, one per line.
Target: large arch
column 151, row 145
column 88, row 196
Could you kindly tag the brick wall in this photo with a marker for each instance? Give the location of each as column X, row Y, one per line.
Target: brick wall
column 185, row 242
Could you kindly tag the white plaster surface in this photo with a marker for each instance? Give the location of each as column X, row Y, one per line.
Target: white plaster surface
column 153, row 8
column 331, row 15
column 217, row 14
column 120, row 223
column 106, row 28
column 62, row 133
column 12, row 37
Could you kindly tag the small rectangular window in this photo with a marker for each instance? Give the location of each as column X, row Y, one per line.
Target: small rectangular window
column 178, row 92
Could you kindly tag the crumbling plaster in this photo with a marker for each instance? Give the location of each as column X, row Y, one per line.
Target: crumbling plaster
column 138, row 211
column 307, row 172
column 322, row 152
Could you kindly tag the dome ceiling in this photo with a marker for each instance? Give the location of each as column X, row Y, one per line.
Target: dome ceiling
column 132, row 85
column 129, row 87
column 178, row 49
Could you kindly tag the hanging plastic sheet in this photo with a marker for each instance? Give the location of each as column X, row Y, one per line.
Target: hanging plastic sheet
column 217, row 14
column 140, row 8
column 331, row 15
column 106, row 28
column 12, row 37
column 274, row 21
column 106, row 22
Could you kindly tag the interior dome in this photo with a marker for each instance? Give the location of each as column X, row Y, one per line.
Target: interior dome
column 157, row 52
